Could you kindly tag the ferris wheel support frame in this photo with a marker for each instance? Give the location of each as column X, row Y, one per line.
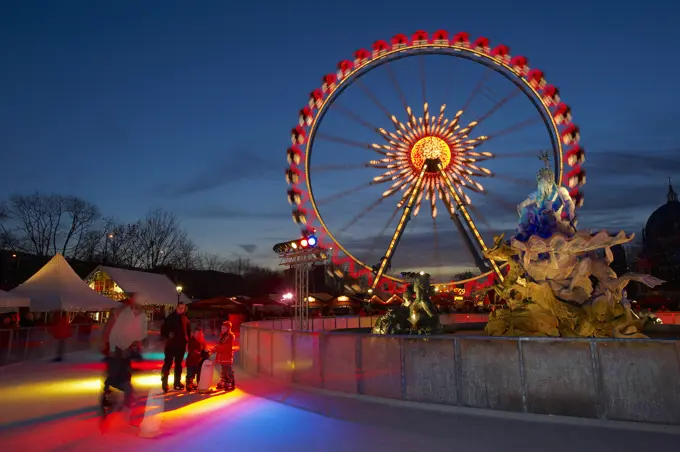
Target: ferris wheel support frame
column 460, row 206
column 401, row 226
column 435, row 165
column 469, row 244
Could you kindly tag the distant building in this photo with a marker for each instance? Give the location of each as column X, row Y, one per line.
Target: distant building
column 661, row 239
column 660, row 255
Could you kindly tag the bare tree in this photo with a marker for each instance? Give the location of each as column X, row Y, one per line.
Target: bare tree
column 7, row 238
column 36, row 221
column 185, row 256
column 159, row 236
column 239, row 266
column 121, row 243
column 88, row 248
column 263, row 281
column 46, row 224
column 82, row 215
column 210, row 262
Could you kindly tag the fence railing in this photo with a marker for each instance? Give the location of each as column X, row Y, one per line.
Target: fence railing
column 35, row 343
column 25, row 344
column 342, row 322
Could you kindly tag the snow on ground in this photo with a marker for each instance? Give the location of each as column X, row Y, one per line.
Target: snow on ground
column 52, row 407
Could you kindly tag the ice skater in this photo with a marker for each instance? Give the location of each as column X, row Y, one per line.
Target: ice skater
column 224, row 351
column 195, row 357
column 122, row 341
column 176, row 331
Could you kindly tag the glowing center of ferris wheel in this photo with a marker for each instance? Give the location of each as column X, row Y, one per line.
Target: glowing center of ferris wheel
column 430, row 147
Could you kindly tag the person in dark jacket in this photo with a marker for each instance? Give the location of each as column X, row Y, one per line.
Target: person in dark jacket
column 176, row 331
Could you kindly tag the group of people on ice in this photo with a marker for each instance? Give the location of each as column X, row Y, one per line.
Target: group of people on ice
column 122, row 341
column 179, row 338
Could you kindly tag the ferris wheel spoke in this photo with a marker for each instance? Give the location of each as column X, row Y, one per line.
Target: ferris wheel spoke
column 341, row 140
column 435, row 242
column 502, row 202
column 514, row 180
column 395, row 83
column 477, row 89
column 498, row 104
column 423, row 79
column 516, row 127
column 482, row 219
column 373, row 97
column 343, row 193
column 347, row 167
column 361, row 214
column 374, row 245
column 464, row 234
column 356, row 118
column 519, row 155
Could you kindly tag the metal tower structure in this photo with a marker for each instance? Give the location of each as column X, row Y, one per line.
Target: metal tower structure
column 301, row 261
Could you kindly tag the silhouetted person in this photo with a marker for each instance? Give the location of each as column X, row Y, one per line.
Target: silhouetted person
column 176, row 331
column 28, row 320
column 61, row 330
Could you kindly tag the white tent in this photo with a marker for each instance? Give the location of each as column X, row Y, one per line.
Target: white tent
column 149, row 288
column 57, row 287
column 9, row 300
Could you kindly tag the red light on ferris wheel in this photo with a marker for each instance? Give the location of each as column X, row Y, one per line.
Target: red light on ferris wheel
column 303, row 243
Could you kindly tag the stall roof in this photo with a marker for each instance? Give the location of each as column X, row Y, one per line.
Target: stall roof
column 150, row 288
column 10, row 300
column 57, row 287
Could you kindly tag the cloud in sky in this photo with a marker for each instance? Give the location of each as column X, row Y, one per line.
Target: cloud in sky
column 220, row 212
column 236, row 165
column 248, row 248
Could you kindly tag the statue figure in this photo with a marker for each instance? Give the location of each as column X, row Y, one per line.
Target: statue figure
column 413, row 316
column 548, row 209
column 423, row 314
column 396, row 321
column 557, row 283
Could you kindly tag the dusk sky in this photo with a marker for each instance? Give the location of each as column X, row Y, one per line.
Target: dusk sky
column 189, row 106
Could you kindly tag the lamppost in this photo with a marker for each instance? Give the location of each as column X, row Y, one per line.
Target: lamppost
column 106, row 246
column 179, row 292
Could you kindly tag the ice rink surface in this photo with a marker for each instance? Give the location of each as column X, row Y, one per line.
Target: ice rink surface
column 53, row 407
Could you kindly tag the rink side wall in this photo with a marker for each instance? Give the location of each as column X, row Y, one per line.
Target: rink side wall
column 616, row 379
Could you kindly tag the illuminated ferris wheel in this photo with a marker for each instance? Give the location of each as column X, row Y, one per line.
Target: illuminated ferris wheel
column 432, row 159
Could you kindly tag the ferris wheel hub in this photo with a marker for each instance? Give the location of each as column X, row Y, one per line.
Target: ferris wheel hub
column 430, row 148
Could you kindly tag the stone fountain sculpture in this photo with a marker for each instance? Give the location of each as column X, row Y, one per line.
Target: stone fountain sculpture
column 415, row 315
column 559, row 282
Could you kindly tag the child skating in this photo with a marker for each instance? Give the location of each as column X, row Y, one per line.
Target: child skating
column 224, row 351
column 195, row 357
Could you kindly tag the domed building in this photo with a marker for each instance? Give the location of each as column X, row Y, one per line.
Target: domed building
column 660, row 254
column 661, row 239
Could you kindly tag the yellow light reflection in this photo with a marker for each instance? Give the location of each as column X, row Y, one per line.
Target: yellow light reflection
column 73, row 387
column 208, row 405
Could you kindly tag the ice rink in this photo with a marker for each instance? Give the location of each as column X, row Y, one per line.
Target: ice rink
column 53, row 407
